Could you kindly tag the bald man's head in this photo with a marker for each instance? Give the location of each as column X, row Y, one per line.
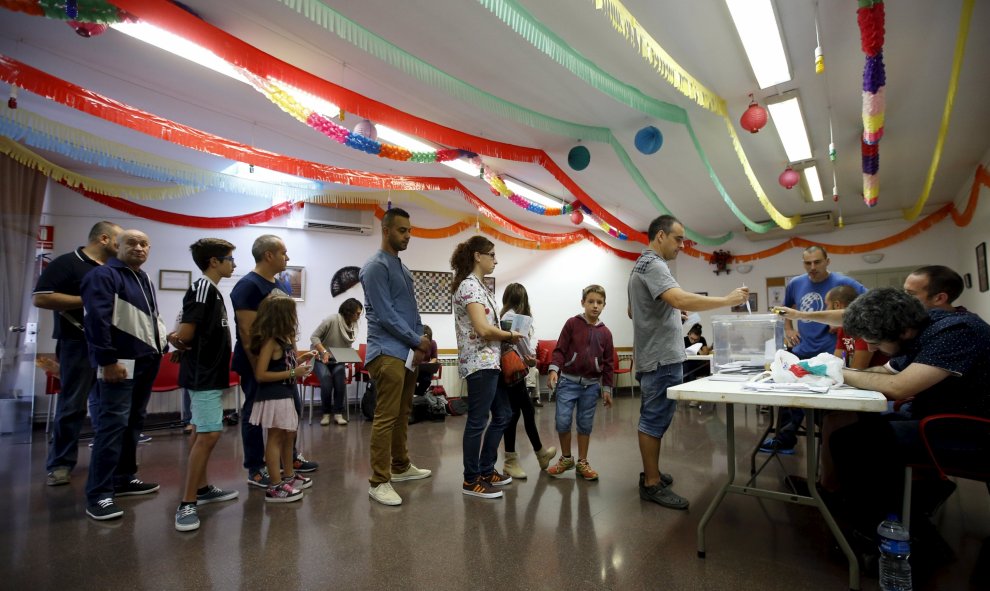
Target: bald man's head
column 133, row 247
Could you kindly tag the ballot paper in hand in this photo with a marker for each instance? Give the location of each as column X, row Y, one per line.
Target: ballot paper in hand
column 693, row 349
column 522, row 324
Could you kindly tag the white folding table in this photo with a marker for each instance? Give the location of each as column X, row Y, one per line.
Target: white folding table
column 732, row 393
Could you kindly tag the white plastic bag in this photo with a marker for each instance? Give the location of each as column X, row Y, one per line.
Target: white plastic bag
column 823, row 369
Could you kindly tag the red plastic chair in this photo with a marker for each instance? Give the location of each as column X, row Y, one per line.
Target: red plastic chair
column 618, row 370
column 544, row 355
column 969, row 434
column 312, row 382
column 167, row 379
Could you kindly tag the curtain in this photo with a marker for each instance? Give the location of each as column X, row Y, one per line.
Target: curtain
column 22, row 194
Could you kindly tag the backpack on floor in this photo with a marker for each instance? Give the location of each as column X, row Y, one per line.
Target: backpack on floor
column 456, row 407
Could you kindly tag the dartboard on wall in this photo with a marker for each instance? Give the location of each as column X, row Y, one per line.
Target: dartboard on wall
column 432, row 291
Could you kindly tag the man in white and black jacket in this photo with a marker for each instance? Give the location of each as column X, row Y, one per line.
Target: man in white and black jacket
column 126, row 339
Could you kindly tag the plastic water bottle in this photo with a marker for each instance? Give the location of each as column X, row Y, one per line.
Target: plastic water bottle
column 895, row 548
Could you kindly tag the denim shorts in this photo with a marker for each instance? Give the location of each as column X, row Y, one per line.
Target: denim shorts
column 585, row 397
column 656, row 411
column 207, row 410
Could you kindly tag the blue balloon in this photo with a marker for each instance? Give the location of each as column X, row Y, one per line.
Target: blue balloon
column 648, row 140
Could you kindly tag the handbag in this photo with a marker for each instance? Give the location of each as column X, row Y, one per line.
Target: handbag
column 514, row 369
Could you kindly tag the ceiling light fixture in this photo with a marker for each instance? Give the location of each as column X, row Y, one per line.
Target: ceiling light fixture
column 178, row 46
column 757, row 27
column 789, row 121
column 814, row 183
column 531, row 193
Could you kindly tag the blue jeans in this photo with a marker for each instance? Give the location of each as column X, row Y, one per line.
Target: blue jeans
column 656, row 411
column 486, row 394
column 252, row 436
column 571, row 394
column 332, row 378
column 122, row 408
column 78, row 380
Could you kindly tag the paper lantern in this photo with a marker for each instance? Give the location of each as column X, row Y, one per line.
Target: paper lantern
column 577, row 217
column 789, row 178
column 367, row 129
column 579, row 157
column 753, row 118
column 88, row 30
column 648, row 140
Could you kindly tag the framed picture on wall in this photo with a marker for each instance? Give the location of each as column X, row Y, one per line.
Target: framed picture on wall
column 432, row 291
column 295, row 277
column 174, row 280
column 754, row 299
column 981, row 266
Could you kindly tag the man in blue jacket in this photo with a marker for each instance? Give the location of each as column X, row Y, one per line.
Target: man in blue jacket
column 126, row 339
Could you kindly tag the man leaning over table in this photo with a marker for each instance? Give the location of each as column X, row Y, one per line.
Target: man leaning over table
column 939, row 357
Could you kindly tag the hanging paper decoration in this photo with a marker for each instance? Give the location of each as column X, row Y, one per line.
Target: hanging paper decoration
column 648, row 140
column 12, row 101
column 579, row 157
column 754, row 117
column 870, row 16
column 91, row 11
column 789, row 178
column 577, row 218
column 87, row 30
column 819, row 60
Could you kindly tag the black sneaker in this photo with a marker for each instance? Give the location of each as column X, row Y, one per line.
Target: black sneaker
column 496, row 479
column 134, row 487
column 481, row 488
column 104, row 509
column 662, row 495
column 665, row 478
column 301, row 464
column 259, row 478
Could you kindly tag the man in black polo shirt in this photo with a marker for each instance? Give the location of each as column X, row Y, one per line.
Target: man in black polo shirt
column 204, row 337
column 58, row 290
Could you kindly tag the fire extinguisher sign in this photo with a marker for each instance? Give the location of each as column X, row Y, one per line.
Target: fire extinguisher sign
column 46, row 237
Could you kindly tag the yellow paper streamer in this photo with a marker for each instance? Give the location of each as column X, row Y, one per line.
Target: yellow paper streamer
column 950, row 99
column 626, row 24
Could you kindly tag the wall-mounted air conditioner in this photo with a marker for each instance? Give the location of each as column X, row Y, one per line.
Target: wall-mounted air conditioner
column 812, row 223
column 343, row 221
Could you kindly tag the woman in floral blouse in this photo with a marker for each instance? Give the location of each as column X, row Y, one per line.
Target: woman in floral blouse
column 479, row 345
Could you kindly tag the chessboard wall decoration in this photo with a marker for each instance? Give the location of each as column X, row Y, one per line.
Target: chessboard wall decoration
column 432, row 291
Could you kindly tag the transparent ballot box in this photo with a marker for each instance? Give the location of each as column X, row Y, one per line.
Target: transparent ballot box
column 746, row 342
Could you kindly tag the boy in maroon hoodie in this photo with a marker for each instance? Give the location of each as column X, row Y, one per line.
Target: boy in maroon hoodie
column 580, row 369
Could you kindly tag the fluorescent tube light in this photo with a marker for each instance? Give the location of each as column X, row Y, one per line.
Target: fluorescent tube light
column 760, row 36
column 789, row 121
column 178, row 46
column 530, row 193
column 814, row 183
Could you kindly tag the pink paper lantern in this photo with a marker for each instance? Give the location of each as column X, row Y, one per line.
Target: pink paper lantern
column 87, row 29
column 789, row 178
column 754, row 118
column 577, row 217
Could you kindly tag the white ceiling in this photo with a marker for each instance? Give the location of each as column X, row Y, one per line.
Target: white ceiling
column 467, row 41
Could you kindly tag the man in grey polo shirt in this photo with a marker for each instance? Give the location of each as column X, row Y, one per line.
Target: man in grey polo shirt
column 655, row 299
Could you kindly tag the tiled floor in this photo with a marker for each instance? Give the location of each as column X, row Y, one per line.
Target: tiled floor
column 544, row 534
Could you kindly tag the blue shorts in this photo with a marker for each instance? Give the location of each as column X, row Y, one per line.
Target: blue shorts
column 656, row 411
column 207, row 410
column 570, row 394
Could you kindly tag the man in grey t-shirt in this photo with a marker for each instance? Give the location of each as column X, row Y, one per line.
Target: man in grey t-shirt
column 655, row 299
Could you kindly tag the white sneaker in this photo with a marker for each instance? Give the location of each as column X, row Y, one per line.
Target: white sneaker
column 385, row 494
column 325, row 420
column 339, row 419
column 411, row 473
